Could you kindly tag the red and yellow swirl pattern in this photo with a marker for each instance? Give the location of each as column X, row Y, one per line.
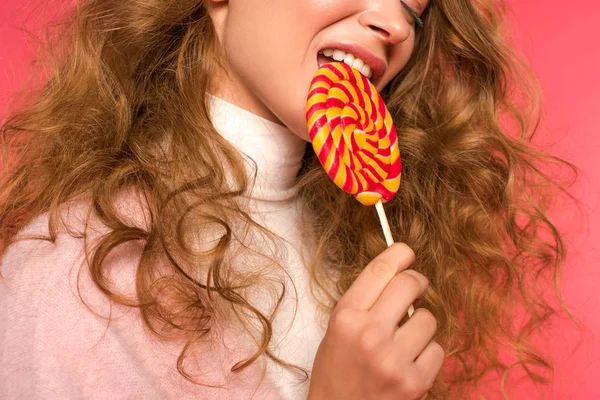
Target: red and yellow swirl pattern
column 353, row 134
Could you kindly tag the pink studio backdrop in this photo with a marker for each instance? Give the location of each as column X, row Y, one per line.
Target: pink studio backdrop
column 561, row 43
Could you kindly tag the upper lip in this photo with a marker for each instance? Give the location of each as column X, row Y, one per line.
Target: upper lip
column 377, row 64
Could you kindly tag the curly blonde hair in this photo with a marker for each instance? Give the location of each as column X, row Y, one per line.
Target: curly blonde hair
column 122, row 104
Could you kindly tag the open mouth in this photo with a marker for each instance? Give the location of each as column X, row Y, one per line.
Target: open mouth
column 334, row 55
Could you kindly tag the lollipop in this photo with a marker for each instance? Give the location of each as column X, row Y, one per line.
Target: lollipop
column 353, row 134
column 354, row 137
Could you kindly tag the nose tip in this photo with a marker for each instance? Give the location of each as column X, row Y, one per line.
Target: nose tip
column 387, row 27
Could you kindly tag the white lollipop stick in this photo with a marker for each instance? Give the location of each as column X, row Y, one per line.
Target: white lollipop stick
column 388, row 237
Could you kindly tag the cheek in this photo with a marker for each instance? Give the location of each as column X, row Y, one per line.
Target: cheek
column 278, row 77
column 271, row 52
column 398, row 57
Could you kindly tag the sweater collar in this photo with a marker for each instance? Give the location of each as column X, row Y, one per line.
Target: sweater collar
column 275, row 149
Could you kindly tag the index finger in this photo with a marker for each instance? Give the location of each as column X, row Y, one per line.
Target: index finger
column 371, row 282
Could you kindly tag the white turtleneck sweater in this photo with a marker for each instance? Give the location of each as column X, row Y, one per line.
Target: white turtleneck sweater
column 277, row 154
column 53, row 346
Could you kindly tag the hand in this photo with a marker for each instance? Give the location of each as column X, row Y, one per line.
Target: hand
column 364, row 355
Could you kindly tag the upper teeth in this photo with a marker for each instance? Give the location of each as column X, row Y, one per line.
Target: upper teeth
column 349, row 59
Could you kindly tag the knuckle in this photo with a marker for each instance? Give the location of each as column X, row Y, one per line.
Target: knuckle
column 413, row 387
column 439, row 349
column 427, row 317
column 427, row 386
column 409, row 282
column 369, row 341
column 389, row 374
column 421, row 279
column 382, row 269
column 407, row 251
column 418, row 282
column 340, row 320
column 407, row 383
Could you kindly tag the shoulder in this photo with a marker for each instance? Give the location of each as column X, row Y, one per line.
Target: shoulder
column 50, row 279
column 46, row 282
column 32, row 263
column 34, row 258
column 53, row 318
column 55, row 335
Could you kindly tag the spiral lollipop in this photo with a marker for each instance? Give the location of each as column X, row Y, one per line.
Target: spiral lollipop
column 354, row 137
column 353, row 134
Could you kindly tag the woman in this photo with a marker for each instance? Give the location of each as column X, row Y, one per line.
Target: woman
column 160, row 203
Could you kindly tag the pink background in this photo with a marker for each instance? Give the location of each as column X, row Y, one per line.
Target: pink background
column 561, row 43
